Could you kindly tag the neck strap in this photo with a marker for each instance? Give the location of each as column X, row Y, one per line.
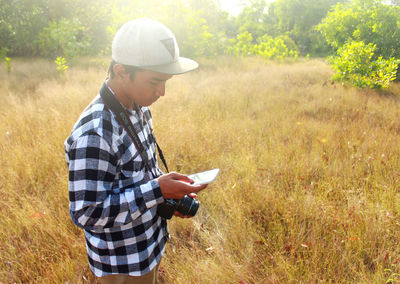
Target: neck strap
column 123, row 119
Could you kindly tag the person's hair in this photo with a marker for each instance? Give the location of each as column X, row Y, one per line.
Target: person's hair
column 128, row 68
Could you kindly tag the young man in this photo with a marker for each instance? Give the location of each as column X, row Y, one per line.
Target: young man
column 114, row 190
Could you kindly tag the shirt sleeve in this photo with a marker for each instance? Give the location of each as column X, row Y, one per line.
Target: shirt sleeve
column 94, row 203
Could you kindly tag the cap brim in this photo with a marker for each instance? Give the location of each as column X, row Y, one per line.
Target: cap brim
column 182, row 65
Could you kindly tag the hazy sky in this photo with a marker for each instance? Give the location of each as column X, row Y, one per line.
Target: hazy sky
column 233, row 6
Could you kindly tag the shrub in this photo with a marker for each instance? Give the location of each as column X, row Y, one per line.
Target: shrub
column 355, row 64
column 61, row 65
column 3, row 52
column 266, row 46
column 273, row 48
column 370, row 21
column 65, row 37
column 242, row 45
column 7, row 61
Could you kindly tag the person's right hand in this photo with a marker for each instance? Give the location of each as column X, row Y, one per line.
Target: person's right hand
column 176, row 186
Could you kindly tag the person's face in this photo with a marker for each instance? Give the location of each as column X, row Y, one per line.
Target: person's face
column 145, row 87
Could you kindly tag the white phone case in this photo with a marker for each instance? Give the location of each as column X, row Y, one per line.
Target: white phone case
column 204, row 177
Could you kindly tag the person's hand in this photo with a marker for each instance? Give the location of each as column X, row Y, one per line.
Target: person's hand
column 180, row 215
column 176, row 186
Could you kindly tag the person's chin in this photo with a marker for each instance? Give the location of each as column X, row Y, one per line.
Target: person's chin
column 147, row 104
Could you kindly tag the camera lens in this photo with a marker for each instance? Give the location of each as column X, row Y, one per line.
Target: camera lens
column 187, row 206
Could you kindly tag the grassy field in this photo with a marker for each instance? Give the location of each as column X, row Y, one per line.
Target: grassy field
column 309, row 190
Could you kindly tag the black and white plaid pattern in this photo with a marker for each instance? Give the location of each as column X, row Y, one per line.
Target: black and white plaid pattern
column 112, row 196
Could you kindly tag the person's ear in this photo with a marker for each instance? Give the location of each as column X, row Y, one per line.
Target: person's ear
column 119, row 71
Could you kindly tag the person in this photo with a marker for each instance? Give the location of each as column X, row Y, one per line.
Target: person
column 114, row 192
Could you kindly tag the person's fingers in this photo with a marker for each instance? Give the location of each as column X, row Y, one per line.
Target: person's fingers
column 187, row 188
column 181, row 177
column 180, row 215
column 192, row 195
column 177, row 214
column 197, row 188
column 177, row 176
column 176, row 186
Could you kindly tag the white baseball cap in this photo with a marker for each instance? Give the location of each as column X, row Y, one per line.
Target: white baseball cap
column 149, row 45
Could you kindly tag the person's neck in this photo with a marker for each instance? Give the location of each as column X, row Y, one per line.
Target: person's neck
column 122, row 98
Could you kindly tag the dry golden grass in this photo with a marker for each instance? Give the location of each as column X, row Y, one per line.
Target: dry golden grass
column 308, row 193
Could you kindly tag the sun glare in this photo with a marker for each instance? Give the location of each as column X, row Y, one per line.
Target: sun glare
column 232, row 6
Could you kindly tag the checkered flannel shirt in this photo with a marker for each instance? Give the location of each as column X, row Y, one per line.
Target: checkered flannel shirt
column 112, row 195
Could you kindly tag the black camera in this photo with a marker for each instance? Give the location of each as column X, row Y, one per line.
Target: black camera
column 186, row 206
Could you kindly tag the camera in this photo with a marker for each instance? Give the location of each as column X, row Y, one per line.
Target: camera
column 186, row 206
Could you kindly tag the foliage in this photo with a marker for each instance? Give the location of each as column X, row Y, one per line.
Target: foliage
column 22, row 21
column 270, row 48
column 65, row 37
column 7, row 61
column 393, row 276
column 254, row 19
column 355, row 63
column 298, row 19
column 270, row 29
column 3, row 52
column 61, row 65
column 200, row 31
column 294, row 19
column 370, row 21
column 265, row 46
column 195, row 36
column 242, row 45
column 73, row 28
column 288, row 41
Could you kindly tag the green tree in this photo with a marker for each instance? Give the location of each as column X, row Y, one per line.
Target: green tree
column 298, row 20
column 295, row 20
column 265, row 46
column 370, row 21
column 95, row 18
column 195, row 24
column 254, row 19
column 64, row 38
column 22, row 21
column 197, row 31
column 355, row 63
column 273, row 48
column 242, row 45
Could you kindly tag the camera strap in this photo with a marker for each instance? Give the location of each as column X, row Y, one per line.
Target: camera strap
column 123, row 119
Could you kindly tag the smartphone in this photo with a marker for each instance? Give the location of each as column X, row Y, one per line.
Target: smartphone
column 204, row 177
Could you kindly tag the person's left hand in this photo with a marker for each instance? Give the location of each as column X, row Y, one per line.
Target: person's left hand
column 177, row 214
